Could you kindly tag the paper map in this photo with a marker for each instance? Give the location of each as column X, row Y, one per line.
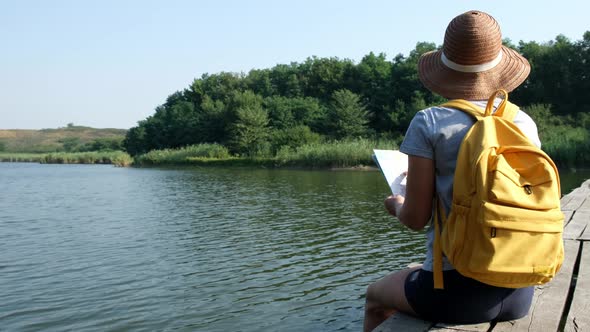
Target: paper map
column 393, row 165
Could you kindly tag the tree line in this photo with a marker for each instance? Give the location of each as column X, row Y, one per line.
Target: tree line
column 330, row 99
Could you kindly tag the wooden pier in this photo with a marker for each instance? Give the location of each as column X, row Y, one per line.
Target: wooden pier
column 560, row 305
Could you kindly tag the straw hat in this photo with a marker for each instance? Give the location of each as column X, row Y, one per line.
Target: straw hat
column 473, row 63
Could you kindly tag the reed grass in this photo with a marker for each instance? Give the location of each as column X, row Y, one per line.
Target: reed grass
column 183, row 156
column 117, row 158
column 21, row 157
column 332, row 154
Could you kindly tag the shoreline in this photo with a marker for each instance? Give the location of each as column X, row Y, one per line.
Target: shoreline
column 361, row 167
column 122, row 159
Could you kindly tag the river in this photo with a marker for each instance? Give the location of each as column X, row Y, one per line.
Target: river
column 100, row 248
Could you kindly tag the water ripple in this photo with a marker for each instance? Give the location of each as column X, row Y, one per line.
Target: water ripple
column 98, row 248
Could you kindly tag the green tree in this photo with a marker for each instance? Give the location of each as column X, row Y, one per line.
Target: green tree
column 249, row 132
column 323, row 76
column 182, row 124
column 340, row 99
column 70, row 144
column 280, row 112
column 259, row 81
column 135, row 141
column 372, row 76
column 247, row 123
column 403, row 113
column 287, row 112
column 217, row 86
column 398, row 115
column 347, row 116
column 102, row 144
column 285, row 80
column 213, row 128
column 404, row 80
column 554, row 69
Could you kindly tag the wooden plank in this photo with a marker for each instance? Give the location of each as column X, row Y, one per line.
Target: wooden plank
column 549, row 300
column 565, row 199
column 578, row 318
column 567, row 216
column 574, row 229
column 582, row 213
column 585, row 207
column 585, row 235
column 576, row 197
column 576, row 200
column 470, row 327
column 403, row 322
column 585, row 186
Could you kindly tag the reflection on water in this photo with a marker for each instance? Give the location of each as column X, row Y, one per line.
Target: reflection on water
column 571, row 179
column 103, row 248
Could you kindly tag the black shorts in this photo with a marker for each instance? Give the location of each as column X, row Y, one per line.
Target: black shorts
column 464, row 300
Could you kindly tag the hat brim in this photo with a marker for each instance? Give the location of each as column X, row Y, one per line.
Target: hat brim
column 512, row 70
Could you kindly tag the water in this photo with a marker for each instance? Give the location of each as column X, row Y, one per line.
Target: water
column 571, row 179
column 99, row 248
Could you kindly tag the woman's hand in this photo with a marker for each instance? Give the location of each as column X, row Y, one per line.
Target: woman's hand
column 414, row 209
column 394, row 204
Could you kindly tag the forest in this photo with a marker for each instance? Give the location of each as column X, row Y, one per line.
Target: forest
column 271, row 112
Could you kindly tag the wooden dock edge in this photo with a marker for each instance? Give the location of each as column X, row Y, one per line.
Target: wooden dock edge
column 560, row 305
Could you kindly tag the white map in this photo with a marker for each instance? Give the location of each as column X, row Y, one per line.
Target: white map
column 393, row 165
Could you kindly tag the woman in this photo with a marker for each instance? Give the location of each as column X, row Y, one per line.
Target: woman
column 471, row 65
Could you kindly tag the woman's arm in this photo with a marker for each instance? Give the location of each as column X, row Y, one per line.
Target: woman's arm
column 415, row 209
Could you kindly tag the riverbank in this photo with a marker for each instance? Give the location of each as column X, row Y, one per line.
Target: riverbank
column 339, row 154
column 117, row 158
column 352, row 154
column 21, row 157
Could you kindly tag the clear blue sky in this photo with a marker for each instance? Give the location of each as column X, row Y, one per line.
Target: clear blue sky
column 109, row 63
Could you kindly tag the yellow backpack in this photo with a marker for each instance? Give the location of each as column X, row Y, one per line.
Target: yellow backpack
column 505, row 224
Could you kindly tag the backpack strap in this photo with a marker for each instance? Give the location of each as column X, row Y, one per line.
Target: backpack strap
column 465, row 106
column 505, row 110
column 437, row 270
column 509, row 112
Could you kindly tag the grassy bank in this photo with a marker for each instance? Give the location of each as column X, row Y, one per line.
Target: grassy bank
column 336, row 154
column 21, row 157
column 320, row 155
column 117, row 158
column 568, row 148
column 183, row 156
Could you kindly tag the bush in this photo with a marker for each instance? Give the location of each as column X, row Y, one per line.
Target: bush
column 292, row 138
column 182, row 155
column 333, row 154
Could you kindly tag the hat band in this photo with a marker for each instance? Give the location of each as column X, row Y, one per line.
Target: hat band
column 471, row 68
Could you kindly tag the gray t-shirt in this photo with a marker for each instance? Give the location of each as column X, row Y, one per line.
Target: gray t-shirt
column 436, row 133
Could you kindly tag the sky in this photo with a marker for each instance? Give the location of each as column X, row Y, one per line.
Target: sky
column 110, row 63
